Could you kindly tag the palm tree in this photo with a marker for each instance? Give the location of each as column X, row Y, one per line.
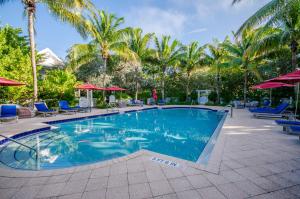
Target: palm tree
column 65, row 10
column 105, row 30
column 192, row 58
column 248, row 52
column 82, row 54
column 217, row 59
column 166, row 55
column 140, row 52
column 283, row 14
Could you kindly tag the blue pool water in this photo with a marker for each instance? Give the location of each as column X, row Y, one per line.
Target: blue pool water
column 182, row 133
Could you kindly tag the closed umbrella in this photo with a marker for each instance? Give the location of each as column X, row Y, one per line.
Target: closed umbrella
column 271, row 85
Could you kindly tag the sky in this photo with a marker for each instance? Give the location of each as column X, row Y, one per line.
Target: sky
column 185, row 20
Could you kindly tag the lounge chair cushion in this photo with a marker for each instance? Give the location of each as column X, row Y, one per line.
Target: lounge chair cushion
column 295, row 129
column 8, row 111
column 41, row 107
column 279, row 109
column 64, row 105
column 7, row 116
column 287, row 122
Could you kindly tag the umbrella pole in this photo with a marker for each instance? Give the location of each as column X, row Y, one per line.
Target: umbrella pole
column 92, row 100
column 88, row 99
column 297, row 99
column 270, row 97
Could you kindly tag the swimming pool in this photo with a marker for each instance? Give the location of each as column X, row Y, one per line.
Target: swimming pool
column 177, row 132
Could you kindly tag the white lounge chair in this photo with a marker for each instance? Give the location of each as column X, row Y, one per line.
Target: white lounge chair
column 112, row 104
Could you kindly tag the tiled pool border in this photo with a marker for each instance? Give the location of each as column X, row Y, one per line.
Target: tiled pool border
column 206, row 153
column 24, row 134
column 201, row 165
column 95, row 116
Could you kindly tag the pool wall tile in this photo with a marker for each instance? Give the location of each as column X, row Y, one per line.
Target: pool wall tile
column 17, row 136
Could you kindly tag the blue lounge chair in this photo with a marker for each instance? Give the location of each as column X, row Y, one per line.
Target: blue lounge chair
column 135, row 103
column 8, row 112
column 266, row 103
column 161, row 102
column 64, row 106
column 286, row 124
column 238, row 104
column 43, row 109
column 268, row 112
column 295, row 130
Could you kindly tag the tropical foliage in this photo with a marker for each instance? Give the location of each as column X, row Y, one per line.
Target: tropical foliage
column 65, row 10
column 139, row 53
column 283, row 15
column 58, row 84
column 15, row 64
column 166, row 57
column 192, row 58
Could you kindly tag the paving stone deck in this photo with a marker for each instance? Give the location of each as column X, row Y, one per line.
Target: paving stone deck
column 252, row 158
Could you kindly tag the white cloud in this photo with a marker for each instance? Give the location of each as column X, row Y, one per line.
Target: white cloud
column 202, row 9
column 157, row 20
column 206, row 8
column 199, row 30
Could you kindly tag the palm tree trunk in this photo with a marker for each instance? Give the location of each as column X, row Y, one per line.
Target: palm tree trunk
column 218, row 85
column 31, row 10
column 187, row 87
column 104, row 75
column 245, row 84
column 136, row 83
column 163, row 86
column 104, row 64
column 136, row 92
column 294, row 49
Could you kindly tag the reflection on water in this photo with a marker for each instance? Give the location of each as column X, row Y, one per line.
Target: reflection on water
column 182, row 133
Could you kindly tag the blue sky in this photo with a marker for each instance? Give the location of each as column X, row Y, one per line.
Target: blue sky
column 185, row 20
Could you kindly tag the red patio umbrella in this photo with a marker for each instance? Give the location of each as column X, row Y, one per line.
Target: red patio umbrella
column 115, row 88
column 267, row 85
column 293, row 77
column 8, row 82
column 101, row 89
column 87, row 87
column 270, row 85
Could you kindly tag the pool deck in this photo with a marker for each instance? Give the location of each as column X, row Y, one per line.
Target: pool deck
column 252, row 158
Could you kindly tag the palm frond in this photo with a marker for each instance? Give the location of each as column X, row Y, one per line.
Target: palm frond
column 81, row 54
column 70, row 11
column 262, row 15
